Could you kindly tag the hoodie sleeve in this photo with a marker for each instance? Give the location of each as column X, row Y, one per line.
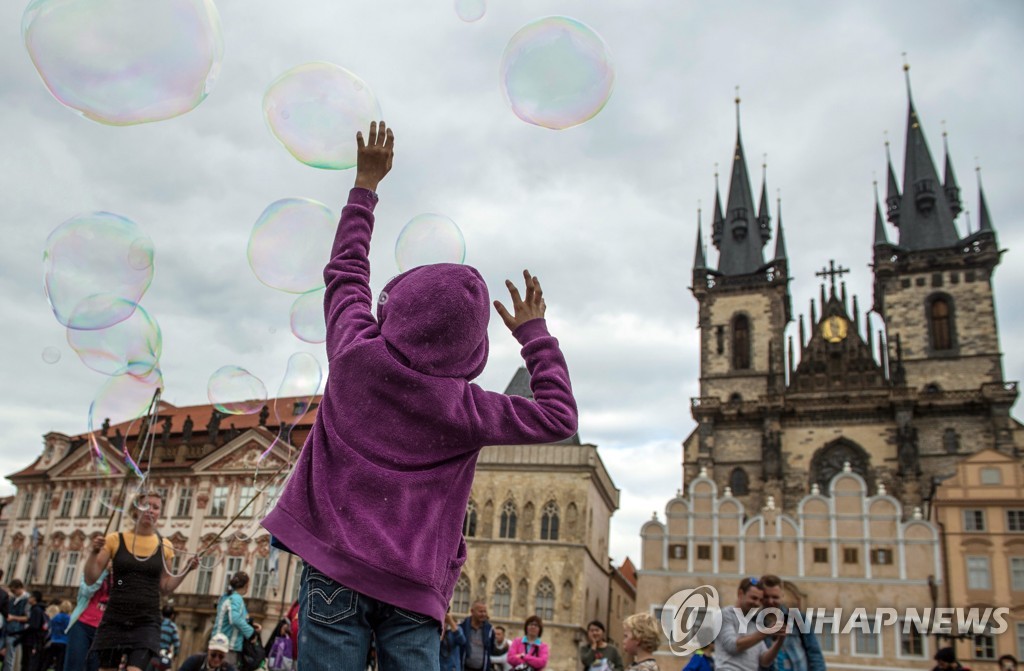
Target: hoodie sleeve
column 348, row 300
column 551, row 415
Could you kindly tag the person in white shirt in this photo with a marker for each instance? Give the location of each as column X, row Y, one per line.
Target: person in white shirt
column 499, row 654
column 740, row 645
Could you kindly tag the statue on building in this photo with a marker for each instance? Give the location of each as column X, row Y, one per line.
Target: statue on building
column 232, row 433
column 907, row 453
column 186, row 429
column 213, row 427
column 771, row 455
column 264, row 414
column 105, row 429
column 165, row 433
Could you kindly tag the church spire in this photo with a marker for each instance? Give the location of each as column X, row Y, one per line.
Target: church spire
column 718, row 223
column 926, row 221
column 763, row 216
column 892, row 194
column 699, row 262
column 881, row 239
column 949, row 184
column 984, row 221
column 780, row 240
column 740, row 250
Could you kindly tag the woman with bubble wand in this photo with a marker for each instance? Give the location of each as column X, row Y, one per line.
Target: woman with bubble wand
column 129, row 634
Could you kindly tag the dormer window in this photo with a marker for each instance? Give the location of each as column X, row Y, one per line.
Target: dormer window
column 739, row 231
column 924, row 195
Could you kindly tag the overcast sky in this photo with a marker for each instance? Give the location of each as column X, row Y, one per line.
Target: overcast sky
column 604, row 214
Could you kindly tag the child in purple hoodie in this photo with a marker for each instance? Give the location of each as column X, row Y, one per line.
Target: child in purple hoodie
column 377, row 498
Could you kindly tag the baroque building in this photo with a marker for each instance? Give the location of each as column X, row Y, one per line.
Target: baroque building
column 847, row 418
column 537, row 527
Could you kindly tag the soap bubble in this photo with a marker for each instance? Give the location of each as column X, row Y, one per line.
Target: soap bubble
column 307, row 317
column 291, row 243
column 236, row 391
column 124, row 398
column 429, row 238
column 470, row 10
column 131, row 346
column 51, row 354
column 122, row 62
column 557, row 73
column 97, row 266
column 315, row 110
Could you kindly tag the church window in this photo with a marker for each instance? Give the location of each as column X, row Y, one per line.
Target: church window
column 703, row 552
column 501, row 601
column 881, row 556
column 820, row 555
column 469, row 523
column 728, row 553
column 677, row 551
column 1015, row 520
column 720, row 339
column 920, row 281
column 940, row 323
column 735, row 398
column 991, row 476
column 969, row 276
column 549, row 522
column 954, row 278
column 974, row 520
column 905, row 283
column 739, row 482
column 850, row 556
column 509, row 515
column 741, row 342
column 460, row 600
column 936, row 279
column 544, row 602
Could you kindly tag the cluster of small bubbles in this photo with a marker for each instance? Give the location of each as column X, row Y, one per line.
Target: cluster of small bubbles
column 307, row 317
column 289, row 244
column 96, row 268
column 315, row 110
column 123, row 62
column 51, row 355
column 427, row 239
column 132, row 346
column 470, row 10
column 236, row 391
column 556, row 72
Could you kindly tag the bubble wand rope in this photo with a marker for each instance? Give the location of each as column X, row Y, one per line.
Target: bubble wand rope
column 154, row 402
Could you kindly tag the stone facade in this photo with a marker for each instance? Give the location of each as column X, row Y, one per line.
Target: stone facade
column 537, row 542
column 981, row 512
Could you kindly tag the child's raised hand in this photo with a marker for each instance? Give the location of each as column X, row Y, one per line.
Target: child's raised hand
column 532, row 307
column 376, row 152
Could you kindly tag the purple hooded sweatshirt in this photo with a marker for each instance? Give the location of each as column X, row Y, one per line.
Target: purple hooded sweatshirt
column 379, row 492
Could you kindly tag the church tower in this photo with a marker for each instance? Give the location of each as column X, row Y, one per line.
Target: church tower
column 744, row 306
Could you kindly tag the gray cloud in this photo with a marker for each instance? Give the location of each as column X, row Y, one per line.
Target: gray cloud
column 604, row 213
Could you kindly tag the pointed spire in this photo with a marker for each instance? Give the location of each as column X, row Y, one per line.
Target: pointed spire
column 699, row 262
column 949, row 184
column 984, row 221
column 881, row 239
column 780, row 240
column 892, row 195
column 718, row 223
column 741, row 250
column 926, row 221
column 763, row 215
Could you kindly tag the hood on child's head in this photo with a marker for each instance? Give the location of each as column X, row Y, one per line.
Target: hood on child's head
column 436, row 317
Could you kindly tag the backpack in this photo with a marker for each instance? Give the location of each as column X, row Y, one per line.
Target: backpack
column 252, row 655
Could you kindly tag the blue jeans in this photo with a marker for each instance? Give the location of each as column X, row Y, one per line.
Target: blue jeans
column 77, row 656
column 336, row 625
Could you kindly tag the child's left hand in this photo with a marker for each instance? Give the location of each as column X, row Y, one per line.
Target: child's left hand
column 532, row 307
column 375, row 155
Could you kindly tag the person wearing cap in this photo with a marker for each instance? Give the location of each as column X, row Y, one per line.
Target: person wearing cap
column 215, row 657
column 945, row 660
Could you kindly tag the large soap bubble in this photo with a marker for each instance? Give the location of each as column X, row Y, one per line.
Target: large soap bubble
column 132, row 346
column 470, row 10
column 315, row 111
column 307, row 317
column 556, row 72
column 122, row 62
column 236, row 391
column 97, row 266
column 429, row 238
column 291, row 243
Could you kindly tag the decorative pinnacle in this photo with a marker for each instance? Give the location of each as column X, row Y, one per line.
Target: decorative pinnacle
column 737, row 108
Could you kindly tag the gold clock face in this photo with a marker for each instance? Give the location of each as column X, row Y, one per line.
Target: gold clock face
column 834, row 328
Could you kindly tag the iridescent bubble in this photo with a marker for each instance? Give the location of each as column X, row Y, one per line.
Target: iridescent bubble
column 131, row 346
column 307, row 317
column 124, row 398
column 97, row 266
column 51, row 354
column 236, row 391
column 291, row 243
column 470, row 10
column 557, row 73
column 315, row 109
column 122, row 62
column 301, row 381
column 429, row 238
